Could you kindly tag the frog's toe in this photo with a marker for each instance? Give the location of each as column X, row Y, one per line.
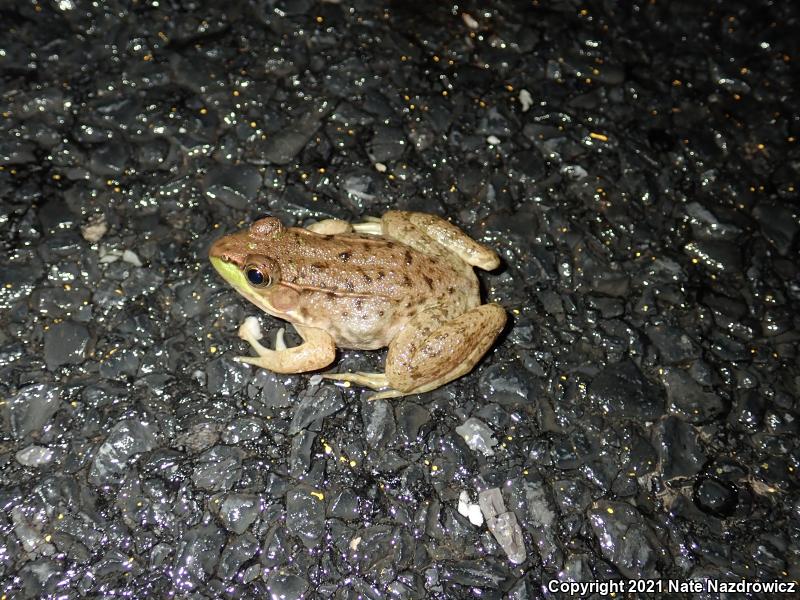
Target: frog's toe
column 249, row 360
column 370, row 225
column 280, row 343
column 387, row 394
column 374, row 381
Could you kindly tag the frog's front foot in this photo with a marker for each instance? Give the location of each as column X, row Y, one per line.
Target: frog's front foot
column 316, row 352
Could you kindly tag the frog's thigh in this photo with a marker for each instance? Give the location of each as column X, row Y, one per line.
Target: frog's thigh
column 316, row 352
column 330, row 227
column 430, row 351
column 418, row 229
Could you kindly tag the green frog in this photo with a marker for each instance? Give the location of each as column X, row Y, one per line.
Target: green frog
column 405, row 281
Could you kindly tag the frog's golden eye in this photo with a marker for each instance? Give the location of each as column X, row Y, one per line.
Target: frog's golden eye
column 261, row 271
column 257, row 276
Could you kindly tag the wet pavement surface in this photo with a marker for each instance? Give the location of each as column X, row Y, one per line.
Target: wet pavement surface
column 636, row 166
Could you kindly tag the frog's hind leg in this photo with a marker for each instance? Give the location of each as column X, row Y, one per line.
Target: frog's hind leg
column 419, row 230
column 432, row 350
column 317, row 351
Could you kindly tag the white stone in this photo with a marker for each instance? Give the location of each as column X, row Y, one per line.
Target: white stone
column 469, row 21
column 477, row 435
column 34, row 456
column 469, row 509
column 129, row 256
column 525, row 99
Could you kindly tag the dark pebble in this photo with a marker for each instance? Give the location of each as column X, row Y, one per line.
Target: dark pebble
column 688, row 400
column 31, row 408
column 679, row 449
column 234, row 186
column 715, row 497
column 218, row 468
column 127, row 439
column 305, row 515
column 625, row 539
column 621, row 391
column 65, row 343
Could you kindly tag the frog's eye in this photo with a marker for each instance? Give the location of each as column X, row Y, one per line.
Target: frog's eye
column 257, row 276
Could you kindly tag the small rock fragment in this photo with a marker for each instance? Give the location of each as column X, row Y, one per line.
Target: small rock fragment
column 503, row 524
column 525, row 99
column 128, row 438
column 470, row 510
column 234, row 186
column 625, row 539
column 218, row 468
column 318, row 404
column 130, row 257
column 34, row 456
column 239, row 511
column 65, row 343
column 95, row 228
column 679, row 450
column 30, row 408
column 305, row 515
column 477, row 435
column 469, row 21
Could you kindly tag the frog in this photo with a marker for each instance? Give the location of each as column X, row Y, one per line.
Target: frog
column 405, row 280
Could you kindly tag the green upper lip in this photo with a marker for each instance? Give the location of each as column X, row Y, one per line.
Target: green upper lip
column 230, row 272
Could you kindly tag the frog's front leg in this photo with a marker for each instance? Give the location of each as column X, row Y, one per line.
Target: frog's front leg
column 316, row 352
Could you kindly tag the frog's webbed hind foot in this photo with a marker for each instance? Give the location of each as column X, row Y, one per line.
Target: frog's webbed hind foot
column 316, row 352
column 373, row 381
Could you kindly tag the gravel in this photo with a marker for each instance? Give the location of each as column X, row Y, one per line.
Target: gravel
column 634, row 164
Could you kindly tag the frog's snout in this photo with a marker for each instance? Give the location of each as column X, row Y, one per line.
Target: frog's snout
column 226, row 250
column 228, row 271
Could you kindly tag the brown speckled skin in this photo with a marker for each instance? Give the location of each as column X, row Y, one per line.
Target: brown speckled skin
column 362, row 289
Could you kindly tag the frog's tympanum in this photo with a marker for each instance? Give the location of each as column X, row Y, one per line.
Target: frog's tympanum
column 405, row 281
